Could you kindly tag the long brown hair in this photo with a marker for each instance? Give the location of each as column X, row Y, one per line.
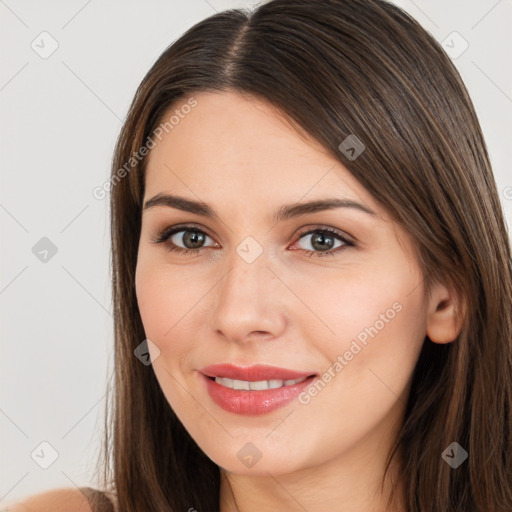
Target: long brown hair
column 337, row 68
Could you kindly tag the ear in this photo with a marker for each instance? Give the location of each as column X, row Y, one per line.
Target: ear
column 444, row 317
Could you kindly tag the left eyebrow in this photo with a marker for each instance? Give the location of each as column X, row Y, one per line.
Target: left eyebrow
column 295, row 210
column 284, row 213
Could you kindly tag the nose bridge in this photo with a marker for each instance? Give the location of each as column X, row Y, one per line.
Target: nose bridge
column 246, row 299
column 246, row 261
column 247, row 271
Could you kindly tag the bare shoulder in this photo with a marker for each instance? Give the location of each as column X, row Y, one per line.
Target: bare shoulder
column 56, row 500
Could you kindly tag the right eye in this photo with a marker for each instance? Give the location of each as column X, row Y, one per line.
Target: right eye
column 190, row 236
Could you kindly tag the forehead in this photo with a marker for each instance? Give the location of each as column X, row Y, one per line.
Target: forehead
column 230, row 144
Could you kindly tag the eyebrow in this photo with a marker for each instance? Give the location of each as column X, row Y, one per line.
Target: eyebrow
column 286, row 212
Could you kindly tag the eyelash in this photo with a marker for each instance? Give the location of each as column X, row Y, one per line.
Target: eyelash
column 162, row 237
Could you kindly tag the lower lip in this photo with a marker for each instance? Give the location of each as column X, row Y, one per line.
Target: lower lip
column 253, row 402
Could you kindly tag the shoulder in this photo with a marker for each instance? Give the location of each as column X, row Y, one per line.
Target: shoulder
column 56, row 500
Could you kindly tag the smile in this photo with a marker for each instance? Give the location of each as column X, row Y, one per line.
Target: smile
column 254, row 397
column 257, row 385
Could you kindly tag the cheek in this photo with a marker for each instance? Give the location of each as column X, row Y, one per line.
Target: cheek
column 168, row 301
column 165, row 303
column 150, row 301
column 155, row 307
column 367, row 322
column 369, row 337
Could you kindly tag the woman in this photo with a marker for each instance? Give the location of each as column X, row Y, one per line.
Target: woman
column 309, row 248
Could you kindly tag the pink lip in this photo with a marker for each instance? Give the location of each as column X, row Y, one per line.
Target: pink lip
column 253, row 373
column 253, row 402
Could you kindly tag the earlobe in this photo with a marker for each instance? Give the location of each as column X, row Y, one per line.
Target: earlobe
column 443, row 316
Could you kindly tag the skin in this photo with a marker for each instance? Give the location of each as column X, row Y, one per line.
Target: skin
column 285, row 309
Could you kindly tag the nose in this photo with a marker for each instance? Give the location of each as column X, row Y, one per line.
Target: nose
column 249, row 301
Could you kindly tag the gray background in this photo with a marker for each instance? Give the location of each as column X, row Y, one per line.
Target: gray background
column 60, row 118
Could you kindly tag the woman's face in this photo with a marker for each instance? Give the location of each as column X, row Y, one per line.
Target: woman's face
column 256, row 290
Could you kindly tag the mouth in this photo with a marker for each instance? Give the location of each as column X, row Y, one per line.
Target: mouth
column 259, row 385
column 254, row 397
column 257, row 374
column 256, row 389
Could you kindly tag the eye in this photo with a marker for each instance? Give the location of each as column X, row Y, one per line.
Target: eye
column 324, row 240
column 193, row 239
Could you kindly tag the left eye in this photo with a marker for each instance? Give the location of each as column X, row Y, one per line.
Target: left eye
column 322, row 239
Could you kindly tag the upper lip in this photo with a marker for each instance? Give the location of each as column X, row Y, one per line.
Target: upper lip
column 253, row 373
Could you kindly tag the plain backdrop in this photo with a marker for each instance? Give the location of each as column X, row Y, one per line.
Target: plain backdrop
column 60, row 116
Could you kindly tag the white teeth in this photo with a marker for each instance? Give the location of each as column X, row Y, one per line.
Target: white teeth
column 256, row 386
column 240, row 384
